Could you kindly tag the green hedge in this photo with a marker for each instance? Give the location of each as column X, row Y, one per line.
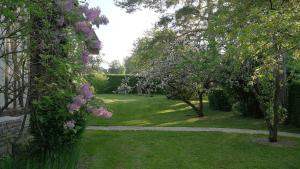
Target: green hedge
column 114, row 81
column 294, row 104
column 106, row 84
column 99, row 81
column 219, row 100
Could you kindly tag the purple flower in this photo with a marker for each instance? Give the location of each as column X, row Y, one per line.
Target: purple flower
column 73, row 107
column 100, row 112
column 102, row 20
column 70, row 124
column 83, row 8
column 95, row 44
column 85, row 57
column 69, row 5
column 86, row 92
column 85, row 28
column 79, row 100
column 92, row 13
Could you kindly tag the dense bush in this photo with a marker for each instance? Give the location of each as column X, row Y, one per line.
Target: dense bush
column 52, row 125
column 294, row 102
column 114, row 81
column 99, row 81
column 248, row 105
column 219, row 100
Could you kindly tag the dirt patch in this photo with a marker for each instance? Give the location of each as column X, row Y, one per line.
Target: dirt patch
column 280, row 143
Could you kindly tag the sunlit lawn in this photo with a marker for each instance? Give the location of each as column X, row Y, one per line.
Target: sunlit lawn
column 178, row 150
column 133, row 110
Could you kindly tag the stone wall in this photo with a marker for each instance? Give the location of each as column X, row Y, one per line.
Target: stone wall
column 9, row 129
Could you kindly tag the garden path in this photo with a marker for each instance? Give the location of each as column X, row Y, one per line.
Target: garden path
column 189, row 129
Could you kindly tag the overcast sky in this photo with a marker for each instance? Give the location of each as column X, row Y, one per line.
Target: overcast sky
column 123, row 29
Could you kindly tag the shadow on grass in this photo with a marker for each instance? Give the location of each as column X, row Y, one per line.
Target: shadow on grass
column 133, row 110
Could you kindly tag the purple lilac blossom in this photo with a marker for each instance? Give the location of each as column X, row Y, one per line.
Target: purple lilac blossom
column 100, row 112
column 85, row 57
column 83, row 8
column 73, row 107
column 79, row 100
column 95, row 44
column 86, row 91
column 68, row 5
column 85, row 28
column 101, row 20
column 70, row 124
column 92, row 13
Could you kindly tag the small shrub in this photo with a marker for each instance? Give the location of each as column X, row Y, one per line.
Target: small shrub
column 48, row 123
column 249, row 108
column 219, row 100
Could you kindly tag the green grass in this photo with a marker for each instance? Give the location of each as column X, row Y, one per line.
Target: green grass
column 178, row 150
column 132, row 110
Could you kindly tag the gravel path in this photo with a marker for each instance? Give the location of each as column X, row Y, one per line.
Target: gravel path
column 188, row 129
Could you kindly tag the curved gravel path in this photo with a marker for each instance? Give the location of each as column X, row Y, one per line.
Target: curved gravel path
column 189, row 129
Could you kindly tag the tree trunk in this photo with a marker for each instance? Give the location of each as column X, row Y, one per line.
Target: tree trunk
column 196, row 109
column 200, row 97
column 14, row 56
column 277, row 99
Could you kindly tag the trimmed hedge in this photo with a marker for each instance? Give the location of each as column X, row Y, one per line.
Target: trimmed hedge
column 219, row 100
column 107, row 83
column 99, row 81
column 294, row 104
column 115, row 80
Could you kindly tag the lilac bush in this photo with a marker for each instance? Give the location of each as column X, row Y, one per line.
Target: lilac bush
column 64, row 96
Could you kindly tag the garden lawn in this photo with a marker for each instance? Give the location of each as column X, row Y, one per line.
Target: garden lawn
column 133, row 110
column 185, row 150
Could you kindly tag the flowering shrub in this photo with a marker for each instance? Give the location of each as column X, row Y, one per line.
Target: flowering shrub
column 61, row 94
column 124, row 88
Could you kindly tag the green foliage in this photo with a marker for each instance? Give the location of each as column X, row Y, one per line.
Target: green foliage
column 219, row 100
column 99, row 81
column 294, row 102
column 115, row 67
column 66, row 158
column 48, row 123
column 249, row 107
column 114, row 81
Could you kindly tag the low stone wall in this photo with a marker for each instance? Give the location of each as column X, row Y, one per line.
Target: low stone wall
column 9, row 129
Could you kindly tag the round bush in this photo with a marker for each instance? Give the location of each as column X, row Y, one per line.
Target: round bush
column 219, row 100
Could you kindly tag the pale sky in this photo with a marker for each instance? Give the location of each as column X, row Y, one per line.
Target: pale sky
column 123, row 29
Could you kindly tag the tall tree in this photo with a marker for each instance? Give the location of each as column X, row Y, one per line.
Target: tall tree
column 262, row 31
column 115, row 67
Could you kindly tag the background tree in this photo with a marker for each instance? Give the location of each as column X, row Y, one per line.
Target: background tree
column 115, row 67
column 261, row 32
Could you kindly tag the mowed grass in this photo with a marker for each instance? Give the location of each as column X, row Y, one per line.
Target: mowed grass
column 133, row 110
column 185, row 150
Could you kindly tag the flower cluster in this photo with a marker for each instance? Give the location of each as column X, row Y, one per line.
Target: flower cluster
column 86, row 92
column 85, row 28
column 69, row 124
column 66, row 5
column 95, row 44
column 80, row 100
column 85, row 57
column 100, row 112
column 102, row 20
